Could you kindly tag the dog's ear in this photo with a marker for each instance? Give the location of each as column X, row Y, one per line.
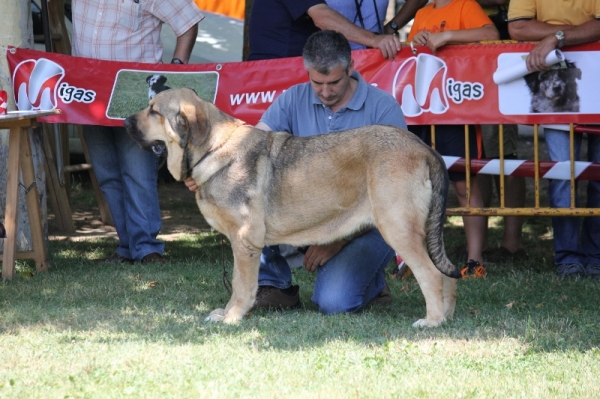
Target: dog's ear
column 193, row 123
column 162, row 79
column 574, row 72
column 148, row 78
column 533, row 81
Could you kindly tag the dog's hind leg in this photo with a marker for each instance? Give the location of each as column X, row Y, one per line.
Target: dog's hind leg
column 407, row 237
column 400, row 210
column 246, row 262
column 430, row 280
column 449, row 293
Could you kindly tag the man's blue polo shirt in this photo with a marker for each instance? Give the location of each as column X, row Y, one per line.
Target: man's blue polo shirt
column 279, row 28
column 299, row 111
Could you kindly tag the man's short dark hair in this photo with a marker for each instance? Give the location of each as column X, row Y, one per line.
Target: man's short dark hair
column 326, row 50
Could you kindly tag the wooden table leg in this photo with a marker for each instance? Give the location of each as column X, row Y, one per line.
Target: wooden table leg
column 12, row 202
column 33, row 205
column 19, row 155
column 20, row 160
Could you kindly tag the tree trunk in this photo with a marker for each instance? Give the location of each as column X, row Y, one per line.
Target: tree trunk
column 16, row 30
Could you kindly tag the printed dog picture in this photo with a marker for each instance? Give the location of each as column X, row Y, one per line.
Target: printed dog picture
column 156, row 84
column 572, row 89
column 265, row 188
column 554, row 90
column 133, row 88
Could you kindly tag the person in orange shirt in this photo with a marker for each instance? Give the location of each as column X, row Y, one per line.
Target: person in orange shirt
column 451, row 21
column 435, row 25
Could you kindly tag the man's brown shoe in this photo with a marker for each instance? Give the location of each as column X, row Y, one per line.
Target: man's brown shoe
column 154, row 258
column 383, row 298
column 114, row 258
column 268, row 297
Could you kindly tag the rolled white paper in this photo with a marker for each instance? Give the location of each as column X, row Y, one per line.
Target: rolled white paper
column 519, row 70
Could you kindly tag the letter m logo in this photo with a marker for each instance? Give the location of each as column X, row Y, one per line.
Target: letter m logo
column 36, row 83
column 419, row 85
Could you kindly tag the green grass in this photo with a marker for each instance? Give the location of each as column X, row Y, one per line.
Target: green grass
column 113, row 331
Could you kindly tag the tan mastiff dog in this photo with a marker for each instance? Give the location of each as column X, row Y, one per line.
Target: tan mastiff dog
column 264, row 188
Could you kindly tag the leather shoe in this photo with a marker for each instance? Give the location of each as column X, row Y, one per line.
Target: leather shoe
column 154, row 257
column 268, row 297
column 383, row 298
column 114, row 258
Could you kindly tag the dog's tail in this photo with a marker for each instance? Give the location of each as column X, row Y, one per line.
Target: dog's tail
column 434, row 227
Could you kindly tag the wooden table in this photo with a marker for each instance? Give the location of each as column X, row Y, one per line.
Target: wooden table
column 19, row 158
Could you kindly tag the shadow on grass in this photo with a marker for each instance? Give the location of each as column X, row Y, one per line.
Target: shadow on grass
column 168, row 303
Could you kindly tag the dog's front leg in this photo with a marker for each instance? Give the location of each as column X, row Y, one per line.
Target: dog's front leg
column 246, row 262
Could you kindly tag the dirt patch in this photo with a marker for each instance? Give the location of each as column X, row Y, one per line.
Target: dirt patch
column 180, row 214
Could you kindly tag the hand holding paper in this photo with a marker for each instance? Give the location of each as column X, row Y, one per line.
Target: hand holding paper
column 516, row 71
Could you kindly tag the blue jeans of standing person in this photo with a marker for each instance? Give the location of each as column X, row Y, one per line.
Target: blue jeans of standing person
column 127, row 176
column 574, row 242
column 346, row 283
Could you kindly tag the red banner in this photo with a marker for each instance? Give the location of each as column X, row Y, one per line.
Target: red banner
column 460, row 84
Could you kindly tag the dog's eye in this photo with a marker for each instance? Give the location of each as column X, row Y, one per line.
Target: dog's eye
column 151, row 111
column 158, row 148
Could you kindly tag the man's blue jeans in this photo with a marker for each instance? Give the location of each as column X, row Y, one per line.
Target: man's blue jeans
column 346, row 283
column 127, row 176
column 574, row 242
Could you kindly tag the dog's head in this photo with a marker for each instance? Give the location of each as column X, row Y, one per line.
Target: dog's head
column 175, row 124
column 156, row 79
column 559, row 86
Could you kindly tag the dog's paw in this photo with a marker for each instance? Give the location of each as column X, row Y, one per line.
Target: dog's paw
column 216, row 315
column 427, row 323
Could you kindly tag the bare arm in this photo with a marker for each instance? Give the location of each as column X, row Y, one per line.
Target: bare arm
column 325, row 17
column 185, row 44
column 488, row 32
column 405, row 14
column 436, row 40
column 533, row 30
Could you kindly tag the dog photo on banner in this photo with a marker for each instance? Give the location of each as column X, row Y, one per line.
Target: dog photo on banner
column 569, row 86
column 133, row 88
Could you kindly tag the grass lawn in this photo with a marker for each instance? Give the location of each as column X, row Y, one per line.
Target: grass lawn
column 114, row 331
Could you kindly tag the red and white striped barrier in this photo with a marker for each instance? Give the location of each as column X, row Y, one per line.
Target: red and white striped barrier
column 517, row 167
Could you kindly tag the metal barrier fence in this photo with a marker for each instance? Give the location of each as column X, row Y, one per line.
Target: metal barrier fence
column 592, row 174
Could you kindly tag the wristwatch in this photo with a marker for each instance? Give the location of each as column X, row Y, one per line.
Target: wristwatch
column 176, row 61
column 394, row 26
column 560, row 36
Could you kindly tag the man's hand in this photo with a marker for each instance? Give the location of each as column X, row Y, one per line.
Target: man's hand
column 536, row 60
column 191, row 184
column 318, row 255
column 389, row 45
